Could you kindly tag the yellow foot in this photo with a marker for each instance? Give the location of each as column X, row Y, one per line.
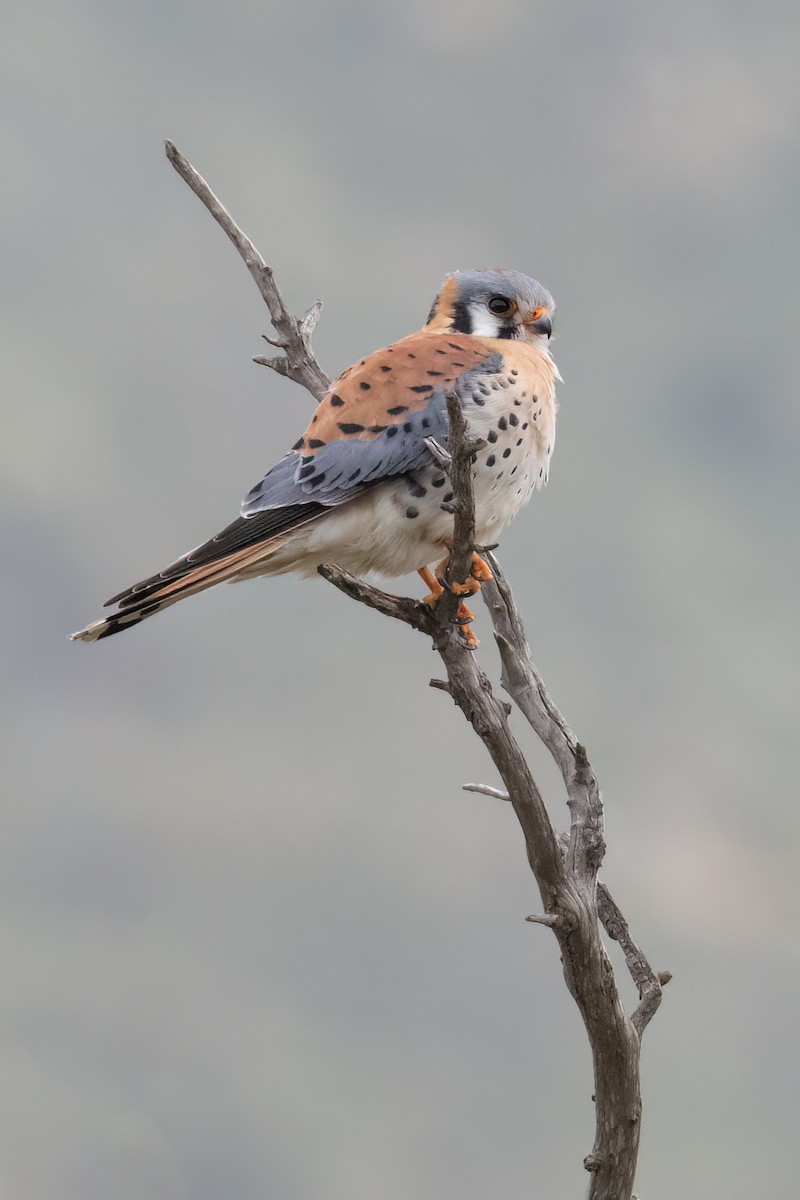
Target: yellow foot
column 480, row 568
column 469, row 637
column 479, row 573
column 468, row 588
column 463, row 615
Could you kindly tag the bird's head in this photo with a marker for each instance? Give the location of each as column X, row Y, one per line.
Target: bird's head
column 494, row 304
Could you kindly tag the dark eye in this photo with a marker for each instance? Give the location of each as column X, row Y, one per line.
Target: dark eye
column 499, row 305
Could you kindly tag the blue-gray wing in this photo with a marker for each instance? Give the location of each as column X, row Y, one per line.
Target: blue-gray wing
column 372, row 423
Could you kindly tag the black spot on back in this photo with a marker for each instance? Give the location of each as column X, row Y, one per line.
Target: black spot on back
column 350, row 427
column 336, row 401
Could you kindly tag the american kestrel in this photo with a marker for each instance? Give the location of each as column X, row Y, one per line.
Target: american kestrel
column 361, row 488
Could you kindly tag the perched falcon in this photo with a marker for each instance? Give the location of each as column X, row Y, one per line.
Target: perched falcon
column 360, row 488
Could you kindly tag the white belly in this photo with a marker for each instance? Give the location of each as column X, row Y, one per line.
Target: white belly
column 401, row 525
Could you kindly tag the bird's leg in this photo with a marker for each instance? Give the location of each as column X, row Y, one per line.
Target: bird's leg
column 430, row 581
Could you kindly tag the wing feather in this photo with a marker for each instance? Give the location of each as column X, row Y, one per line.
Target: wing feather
column 372, row 423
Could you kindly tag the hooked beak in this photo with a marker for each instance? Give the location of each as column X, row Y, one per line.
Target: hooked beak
column 540, row 323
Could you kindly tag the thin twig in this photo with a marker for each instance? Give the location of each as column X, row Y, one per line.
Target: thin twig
column 294, row 337
column 525, row 686
column 551, row 920
column 411, row 612
column 438, row 453
column 462, row 451
column 648, row 983
column 485, row 790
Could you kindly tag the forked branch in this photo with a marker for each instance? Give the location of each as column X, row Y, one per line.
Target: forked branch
column 565, row 867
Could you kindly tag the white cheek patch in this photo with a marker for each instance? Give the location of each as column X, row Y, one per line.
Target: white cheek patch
column 482, row 322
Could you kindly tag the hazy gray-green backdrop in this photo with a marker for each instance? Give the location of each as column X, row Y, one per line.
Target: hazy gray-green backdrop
column 255, row 940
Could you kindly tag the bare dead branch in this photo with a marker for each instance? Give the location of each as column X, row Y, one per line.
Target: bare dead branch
column 294, row 337
column 412, row 612
column 485, row 790
column 648, row 983
column 549, row 919
column 525, row 686
column 565, row 870
column 462, row 455
column 438, row 453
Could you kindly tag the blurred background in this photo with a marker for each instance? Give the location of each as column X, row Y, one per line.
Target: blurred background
column 256, row 940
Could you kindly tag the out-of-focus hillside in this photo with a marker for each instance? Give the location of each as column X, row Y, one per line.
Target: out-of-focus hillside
column 256, row 941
